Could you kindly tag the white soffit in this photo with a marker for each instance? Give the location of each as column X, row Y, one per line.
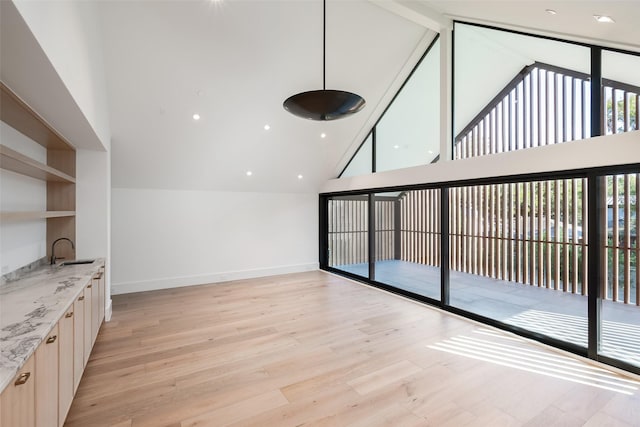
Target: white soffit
column 27, row 71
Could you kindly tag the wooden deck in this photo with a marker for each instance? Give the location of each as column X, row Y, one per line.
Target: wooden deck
column 315, row 349
column 550, row 312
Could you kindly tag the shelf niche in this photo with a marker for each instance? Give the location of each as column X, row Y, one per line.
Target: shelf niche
column 59, row 172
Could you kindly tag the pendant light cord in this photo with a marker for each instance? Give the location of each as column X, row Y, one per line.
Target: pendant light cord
column 324, row 44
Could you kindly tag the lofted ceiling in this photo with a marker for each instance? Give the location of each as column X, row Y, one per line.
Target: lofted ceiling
column 234, row 62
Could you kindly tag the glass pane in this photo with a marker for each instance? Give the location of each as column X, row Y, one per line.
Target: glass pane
column 409, row 132
column 348, row 234
column 408, row 241
column 514, row 91
column 621, row 299
column 361, row 162
column 621, row 81
column 519, row 255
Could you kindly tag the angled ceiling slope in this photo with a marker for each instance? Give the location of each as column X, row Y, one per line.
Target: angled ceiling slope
column 233, row 63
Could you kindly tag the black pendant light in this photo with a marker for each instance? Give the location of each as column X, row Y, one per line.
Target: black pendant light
column 324, row 104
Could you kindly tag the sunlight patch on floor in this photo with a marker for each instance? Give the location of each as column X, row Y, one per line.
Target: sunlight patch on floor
column 619, row 340
column 515, row 353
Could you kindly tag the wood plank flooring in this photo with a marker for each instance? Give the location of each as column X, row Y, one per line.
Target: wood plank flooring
column 315, row 349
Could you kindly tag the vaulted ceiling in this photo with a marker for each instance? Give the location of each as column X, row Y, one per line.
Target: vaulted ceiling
column 233, row 62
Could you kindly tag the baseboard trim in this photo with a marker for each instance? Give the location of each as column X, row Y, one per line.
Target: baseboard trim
column 178, row 282
column 107, row 311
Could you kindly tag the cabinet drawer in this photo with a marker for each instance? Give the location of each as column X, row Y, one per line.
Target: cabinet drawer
column 17, row 401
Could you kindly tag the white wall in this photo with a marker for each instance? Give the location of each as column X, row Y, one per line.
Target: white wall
column 21, row 242
column 93, row 210
column 52, row 58
column 620, row 149
column 170, row 238
column 69, row 34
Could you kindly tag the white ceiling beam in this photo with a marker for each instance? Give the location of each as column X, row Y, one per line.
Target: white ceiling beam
column 416, row 12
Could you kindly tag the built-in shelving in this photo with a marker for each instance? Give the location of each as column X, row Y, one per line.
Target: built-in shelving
column 58, row 172
column 19, row 163
column 31, row 215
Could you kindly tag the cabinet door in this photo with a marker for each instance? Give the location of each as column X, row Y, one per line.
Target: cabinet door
column 65, row 365
column 78, row 340
column 95, row 307
column 88, row 342
column 17, row 401
column 46, row 381
column 102, row 297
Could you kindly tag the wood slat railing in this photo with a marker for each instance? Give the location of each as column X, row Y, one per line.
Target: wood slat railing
column 531, row 232
column 348, row 230
column 420, row 227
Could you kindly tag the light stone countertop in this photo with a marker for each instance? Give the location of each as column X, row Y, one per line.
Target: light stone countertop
column 30, row 307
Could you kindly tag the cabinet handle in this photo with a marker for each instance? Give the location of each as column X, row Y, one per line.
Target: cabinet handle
column 69, row 314
column 98, row 276
column 22, row 378
column 88, row 286
column 52, row 339
column 81, row 298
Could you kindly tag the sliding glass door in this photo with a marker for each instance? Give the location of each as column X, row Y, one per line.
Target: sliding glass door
column 553, row 258
column 407, row 233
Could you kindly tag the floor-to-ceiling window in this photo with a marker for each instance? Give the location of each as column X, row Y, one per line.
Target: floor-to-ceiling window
column 408, row 241
column 348, row 234
column 519, row 255
column 552, row 255
column 621, row 298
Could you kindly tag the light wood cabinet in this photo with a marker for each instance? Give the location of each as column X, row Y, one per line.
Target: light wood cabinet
column 42, row 392
column 78, row 340
column 102, row 296
column 97, row 304
column 46, row 380
column 88, row 320
column 65, row 364
column 17, row 401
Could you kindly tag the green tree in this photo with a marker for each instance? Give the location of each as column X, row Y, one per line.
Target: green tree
column 619, row 121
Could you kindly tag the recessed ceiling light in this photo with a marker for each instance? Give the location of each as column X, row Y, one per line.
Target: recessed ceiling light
column 267, row 127
column 323, row 135
column 200, row 92
column 249, row 173
column 396, row 146
column 604, row 19
column 196, row 117
column 300, row 177
column 551, row 12
column 430, row 151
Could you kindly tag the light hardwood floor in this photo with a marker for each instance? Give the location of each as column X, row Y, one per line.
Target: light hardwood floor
column 315, row 349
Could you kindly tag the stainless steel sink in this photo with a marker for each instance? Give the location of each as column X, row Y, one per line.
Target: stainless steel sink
column 77, row 262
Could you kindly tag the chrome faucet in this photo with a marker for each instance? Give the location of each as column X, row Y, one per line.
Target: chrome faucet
column 53, row 246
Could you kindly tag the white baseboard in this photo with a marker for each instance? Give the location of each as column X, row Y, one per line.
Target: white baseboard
column 107, row 311
column 178, row 282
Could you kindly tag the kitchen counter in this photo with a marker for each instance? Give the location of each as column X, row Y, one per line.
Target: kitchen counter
column 30, row 307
